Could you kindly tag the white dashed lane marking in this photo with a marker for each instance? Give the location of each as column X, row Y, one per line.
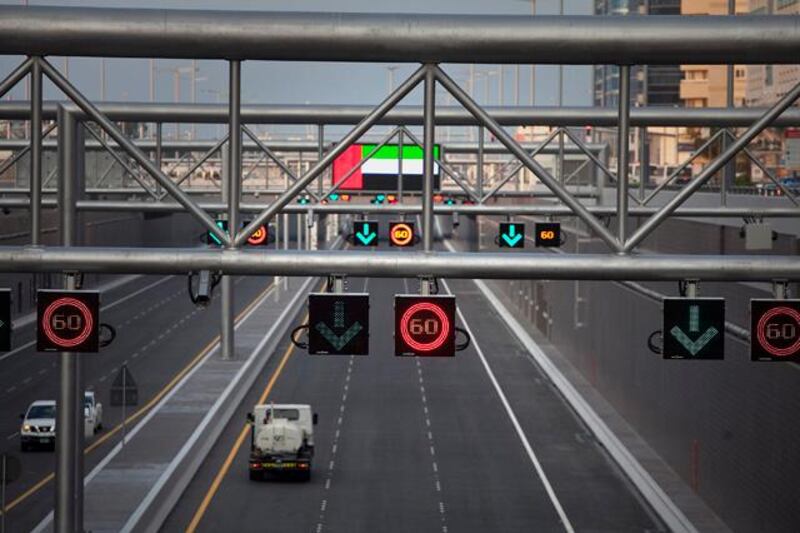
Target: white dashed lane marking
column 334, row 450
column 437, row 484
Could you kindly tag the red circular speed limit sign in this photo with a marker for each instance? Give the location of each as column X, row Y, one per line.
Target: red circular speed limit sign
column 425, row 325
column 258, row 237
column 68, row 321
column 775, row 330
column 66, row 327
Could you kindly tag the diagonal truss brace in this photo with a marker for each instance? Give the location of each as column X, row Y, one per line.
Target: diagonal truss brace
column 514, row 147
column 367, row 122
column 445, row 167
column 792, row 197
column 278, row 161
column 730, row 152
column 114, row 132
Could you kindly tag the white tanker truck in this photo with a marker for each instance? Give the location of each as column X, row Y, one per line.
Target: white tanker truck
column 281, row 440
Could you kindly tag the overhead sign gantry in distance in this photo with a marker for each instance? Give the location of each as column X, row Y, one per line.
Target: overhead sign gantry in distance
column 694, row 328
column 425, row 325
column 68, row 321
column 338, row 324
column 775, row 330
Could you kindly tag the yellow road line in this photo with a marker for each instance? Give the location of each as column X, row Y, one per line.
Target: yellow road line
column 149, row 405
column 226, row 465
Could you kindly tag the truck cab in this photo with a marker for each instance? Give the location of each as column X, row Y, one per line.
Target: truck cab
column 281, row 440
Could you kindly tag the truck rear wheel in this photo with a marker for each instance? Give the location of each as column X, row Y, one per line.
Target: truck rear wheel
column 256, row 475
column 305, row 475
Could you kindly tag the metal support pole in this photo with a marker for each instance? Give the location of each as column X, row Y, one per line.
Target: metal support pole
column 560, row 165
column 428, row 138
column 691, row 288
column 159, row 152
column 320, row 153
column 36, row 152
column 729, row 174
column 623, row 134
column 508, row 141
column 234, row 193
column 400, row 140
column 479, row 169
column 780, row 288
column 644, row 162
column 66, row 450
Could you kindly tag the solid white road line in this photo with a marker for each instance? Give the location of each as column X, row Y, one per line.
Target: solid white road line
column 515, row 422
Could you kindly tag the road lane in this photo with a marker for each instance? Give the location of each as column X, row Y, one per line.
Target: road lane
column 423, row 444
column 159, row 332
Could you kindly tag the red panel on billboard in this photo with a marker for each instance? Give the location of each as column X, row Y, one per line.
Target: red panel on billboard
column 344, row 164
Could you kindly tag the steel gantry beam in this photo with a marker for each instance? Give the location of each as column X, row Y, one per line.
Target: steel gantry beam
column 465, row 209
column 398, row 265
column 390, row 38
column 406, row 115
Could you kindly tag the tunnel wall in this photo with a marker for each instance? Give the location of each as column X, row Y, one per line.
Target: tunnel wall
column 728, row 428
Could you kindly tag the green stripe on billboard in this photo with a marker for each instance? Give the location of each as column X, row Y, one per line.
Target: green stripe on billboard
column 391, row 151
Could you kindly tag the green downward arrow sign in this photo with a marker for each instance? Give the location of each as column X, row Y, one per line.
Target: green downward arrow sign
column 512, row 237
column 365, row 235
column 694, row 346
column 338, row 341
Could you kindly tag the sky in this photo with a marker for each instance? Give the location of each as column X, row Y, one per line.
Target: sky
column 266, row 82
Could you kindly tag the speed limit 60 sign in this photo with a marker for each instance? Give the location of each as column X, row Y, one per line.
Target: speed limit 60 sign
column 67, row 321
column 401, row 234
column 425, row 325
column 775, row 330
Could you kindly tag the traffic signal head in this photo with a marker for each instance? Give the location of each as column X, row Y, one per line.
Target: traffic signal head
column 303, row 200
column 424, row 326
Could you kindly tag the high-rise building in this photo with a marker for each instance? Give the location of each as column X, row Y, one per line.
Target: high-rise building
column 765, row 85
column 653, row 85
column 707, row 85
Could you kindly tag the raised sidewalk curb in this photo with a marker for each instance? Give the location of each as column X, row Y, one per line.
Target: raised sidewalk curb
column 135, row 487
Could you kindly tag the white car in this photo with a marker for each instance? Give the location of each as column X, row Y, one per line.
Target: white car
column 92, row 413
column 38, row 425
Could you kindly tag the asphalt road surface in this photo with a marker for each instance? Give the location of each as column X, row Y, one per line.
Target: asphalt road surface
column 480, row 442
column 159, row 333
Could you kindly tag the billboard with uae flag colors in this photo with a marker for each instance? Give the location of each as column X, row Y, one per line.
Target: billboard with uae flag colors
column 379, row 172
